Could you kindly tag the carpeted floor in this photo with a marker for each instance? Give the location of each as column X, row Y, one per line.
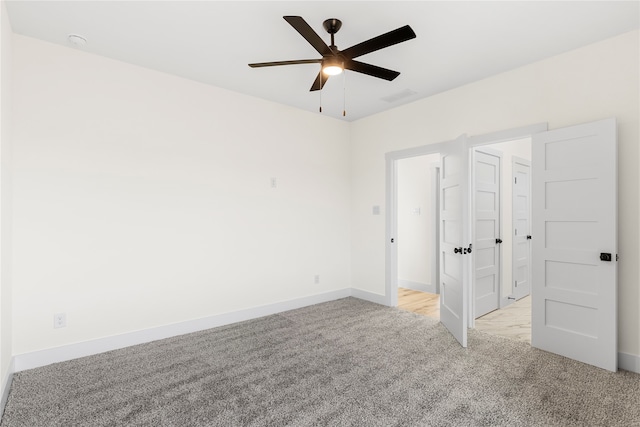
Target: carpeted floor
column 342, row 363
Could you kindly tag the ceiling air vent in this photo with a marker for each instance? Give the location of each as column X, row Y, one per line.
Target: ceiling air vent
column 397, row 96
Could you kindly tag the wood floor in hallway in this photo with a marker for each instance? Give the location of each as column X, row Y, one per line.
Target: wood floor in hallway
column 419, row 302
column 513, row 321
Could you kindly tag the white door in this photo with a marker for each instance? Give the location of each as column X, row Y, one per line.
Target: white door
column 454, row 240
column 521, row 249
column 575, row 242
column 486, row 250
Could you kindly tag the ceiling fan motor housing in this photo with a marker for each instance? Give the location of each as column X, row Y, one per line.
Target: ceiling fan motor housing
column 332, row 25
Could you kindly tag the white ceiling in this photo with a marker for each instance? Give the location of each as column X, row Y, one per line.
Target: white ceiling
column 213, row 41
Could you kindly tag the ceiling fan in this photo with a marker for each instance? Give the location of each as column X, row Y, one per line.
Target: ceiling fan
column 333, row 60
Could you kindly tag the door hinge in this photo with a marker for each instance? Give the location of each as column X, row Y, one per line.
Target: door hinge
column 515, row 180
column 617, row 257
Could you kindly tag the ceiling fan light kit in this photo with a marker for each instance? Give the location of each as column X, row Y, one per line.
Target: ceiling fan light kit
column 333, row 60
column 332, row 66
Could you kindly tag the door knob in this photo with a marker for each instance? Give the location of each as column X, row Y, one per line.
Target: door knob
column 457, row 250
column 498, row 240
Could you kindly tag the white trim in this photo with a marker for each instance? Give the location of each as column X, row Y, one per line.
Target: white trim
column 417, row 286
column 416, row 151
column 435, row 225
column 6, row 387
column 629, row 362
column 391, row 232
column 507, row 135
column 626, row 361
column 87, row 348
column 370, row 296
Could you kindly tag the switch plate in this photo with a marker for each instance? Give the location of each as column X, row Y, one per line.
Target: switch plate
column 376, row 210
column 316, row 279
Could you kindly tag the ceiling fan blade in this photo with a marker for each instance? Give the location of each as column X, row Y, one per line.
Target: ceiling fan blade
column 274, row 63
column 396, row 36
column 319, row 82
column 307, row 32
column 371, row 70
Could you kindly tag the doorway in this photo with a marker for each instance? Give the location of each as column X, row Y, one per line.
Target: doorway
column 502, row 236
column 576, row 178
column 418, row 234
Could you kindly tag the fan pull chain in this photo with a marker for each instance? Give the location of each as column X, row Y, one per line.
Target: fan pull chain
column 320, row 89
column 344, row 93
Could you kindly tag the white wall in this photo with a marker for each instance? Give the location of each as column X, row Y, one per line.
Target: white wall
column 142, row 199
column 6, row 350
column 587, row 84
column 416, row 250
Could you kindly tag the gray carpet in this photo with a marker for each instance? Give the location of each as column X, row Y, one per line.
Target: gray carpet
column 342, row 363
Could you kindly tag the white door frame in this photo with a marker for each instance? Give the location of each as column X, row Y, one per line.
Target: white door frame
column 391, row 250
column 434, row 170
column 495, row 138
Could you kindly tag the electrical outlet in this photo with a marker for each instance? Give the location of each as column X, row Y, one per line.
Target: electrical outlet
column 59, row 320
column 316, row 279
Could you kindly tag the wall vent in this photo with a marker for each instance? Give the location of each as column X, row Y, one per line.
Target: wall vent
column 397, row 96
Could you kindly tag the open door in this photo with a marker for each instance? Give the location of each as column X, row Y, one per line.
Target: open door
column 521, row 247
column 574, row 286
column 454, row 238
column 486, row 253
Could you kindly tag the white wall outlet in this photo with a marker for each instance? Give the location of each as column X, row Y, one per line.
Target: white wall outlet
column 274, row 182
column 316, row 279
column 59, row 320
column 375, row 210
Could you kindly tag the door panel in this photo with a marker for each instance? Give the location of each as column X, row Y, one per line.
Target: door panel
column 574, row 221
column 486, row 186
column 521, row 249
column 453, row 238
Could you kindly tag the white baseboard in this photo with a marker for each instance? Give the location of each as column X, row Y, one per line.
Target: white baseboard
column 87, row 348
column 6, row 387
column 21, row 362
column 369, row 296
column 629, row 362
column 417, row 286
